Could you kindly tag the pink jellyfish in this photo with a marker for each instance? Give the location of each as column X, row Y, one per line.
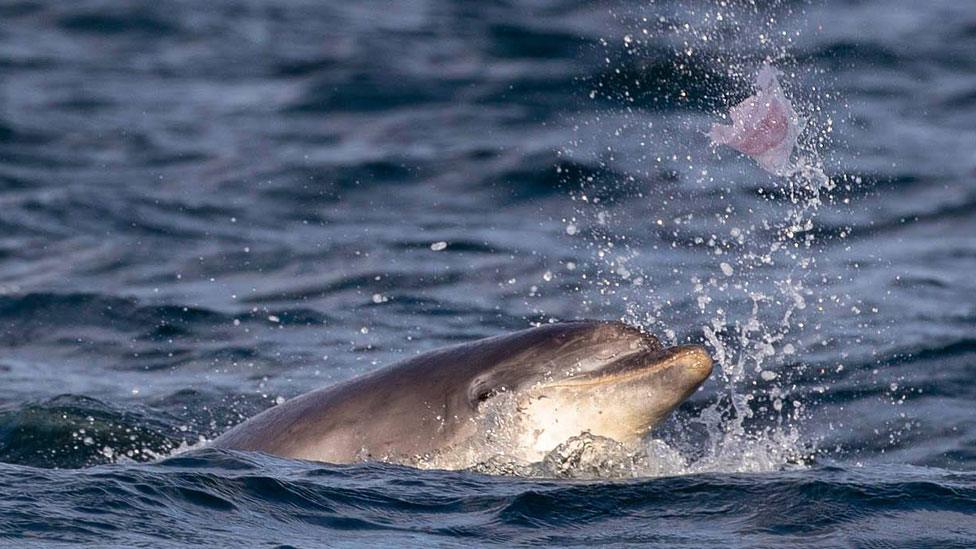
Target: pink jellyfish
column 764, row 126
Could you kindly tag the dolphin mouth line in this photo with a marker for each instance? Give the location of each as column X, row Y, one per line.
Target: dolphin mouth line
column 641, row 364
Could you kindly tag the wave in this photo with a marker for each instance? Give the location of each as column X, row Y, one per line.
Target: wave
column 130, row 22
column 77, row 431
column 178, row 498
column 48, row 317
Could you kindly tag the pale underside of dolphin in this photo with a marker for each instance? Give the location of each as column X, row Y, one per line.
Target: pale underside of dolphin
column 520, row 395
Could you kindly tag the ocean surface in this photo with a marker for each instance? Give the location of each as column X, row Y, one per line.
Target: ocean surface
column 209, row 207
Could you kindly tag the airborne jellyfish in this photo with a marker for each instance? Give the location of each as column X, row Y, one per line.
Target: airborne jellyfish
column 764, row 125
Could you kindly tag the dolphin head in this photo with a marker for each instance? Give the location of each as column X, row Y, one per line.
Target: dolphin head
column 605, row 378
column 519, row 395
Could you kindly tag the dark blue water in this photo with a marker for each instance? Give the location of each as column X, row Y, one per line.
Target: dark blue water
column 206, row 207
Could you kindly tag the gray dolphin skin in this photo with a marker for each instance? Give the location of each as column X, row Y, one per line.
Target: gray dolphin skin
column 550, row 383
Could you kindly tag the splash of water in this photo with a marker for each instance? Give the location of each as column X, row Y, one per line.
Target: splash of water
column 755, row 276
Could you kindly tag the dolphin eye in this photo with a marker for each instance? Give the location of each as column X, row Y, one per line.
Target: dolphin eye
column 483, row 394
column 484, row 388
column 479, row 391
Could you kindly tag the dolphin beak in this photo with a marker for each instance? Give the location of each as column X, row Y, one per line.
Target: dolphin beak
column 694, row 360
column 685, row 365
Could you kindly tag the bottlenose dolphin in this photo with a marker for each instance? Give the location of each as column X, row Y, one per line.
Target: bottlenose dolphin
column 520, row 394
